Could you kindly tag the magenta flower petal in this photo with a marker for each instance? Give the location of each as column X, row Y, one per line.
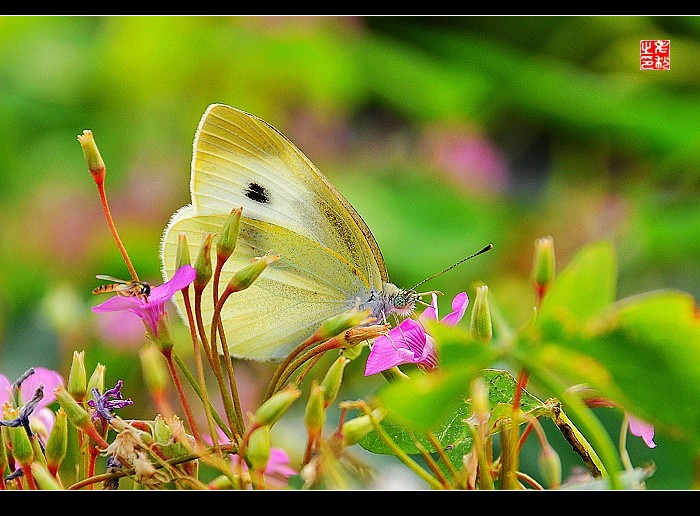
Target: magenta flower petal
column 459, row 307
column 430, row 313
column 5, row 389
column 642, row 429
column 182, row 277
column 150, row 311
column 278, row 463
column 405, row 344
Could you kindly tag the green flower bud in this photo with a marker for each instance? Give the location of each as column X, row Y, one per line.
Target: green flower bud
column 97, row 379
column 57, row 443
column 353, row 352
column 77, row 378
column 356, row 429
column 481, row 327
column 226, row 243
column 22, row 449
column 315, row 413
column 78, row 416
column 43, row 478
column 244, row 278
column 273, row 408
column 550, row 466
column 543, row 266
column 92, row 156
column 154, row 370
column 182, row 254
column 161, row 431
column 339, row 323
column 333, row 378
column 258, row 450
column 202, row 264
column 480, row 400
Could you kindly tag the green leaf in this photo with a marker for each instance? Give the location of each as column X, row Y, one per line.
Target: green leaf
column 651, row 346
column 585, row 287
column 454, row 435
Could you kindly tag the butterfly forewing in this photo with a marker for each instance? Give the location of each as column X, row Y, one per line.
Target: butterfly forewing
column 240, row 160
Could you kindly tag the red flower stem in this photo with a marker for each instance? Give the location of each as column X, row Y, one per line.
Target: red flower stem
column 113, row 228
column 226, row 396
column 521, row 382
column 31, row 483
column 224, row 347
column 294, row 365
column 204, row 394
column 272, row 388
column 181, row 393
column 92, row 457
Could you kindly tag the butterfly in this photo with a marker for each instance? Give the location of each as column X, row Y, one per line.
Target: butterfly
column 329, row 260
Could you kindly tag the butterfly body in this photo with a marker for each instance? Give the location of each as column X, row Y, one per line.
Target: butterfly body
column 329, row 260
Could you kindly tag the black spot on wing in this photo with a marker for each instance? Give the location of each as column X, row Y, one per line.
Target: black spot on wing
column 258, row 193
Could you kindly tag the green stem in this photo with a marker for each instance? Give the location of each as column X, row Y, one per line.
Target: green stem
column 401, row 455
column 609, row 460
column 198, row 391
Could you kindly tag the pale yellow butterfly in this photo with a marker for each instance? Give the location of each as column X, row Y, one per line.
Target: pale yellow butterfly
column 329, row 260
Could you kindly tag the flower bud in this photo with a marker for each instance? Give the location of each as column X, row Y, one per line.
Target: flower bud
column 155, row 373
column 244, row 278
column 57, row 443
column 163, row 337
column 481, row 327
column 92, row 156
column 273, row 408
column 97, row 379
column 22, row 449
column 78, row 416
column 356, row 429
column 202, row 264
column 226, row 243
column 43, row 478
column 333, row 378
column 353, row 352
column 339, row 323
column 182, row 254
column 315, row 413
column 550, row 466
column 480, row 400
column 77, row 378
column 543, row 266
column 258, row 450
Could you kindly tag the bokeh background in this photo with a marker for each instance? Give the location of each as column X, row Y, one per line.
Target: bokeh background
column 446, row 133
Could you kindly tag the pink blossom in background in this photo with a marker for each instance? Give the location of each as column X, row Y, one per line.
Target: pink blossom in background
column 467, row 157
column 120, row 329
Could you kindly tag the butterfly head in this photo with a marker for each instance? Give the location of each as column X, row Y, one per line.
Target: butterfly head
column 404, row 301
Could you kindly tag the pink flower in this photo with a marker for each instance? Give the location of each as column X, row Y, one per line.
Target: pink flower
column 153, row 310
column 277, row 471
column 408, row 343
column 40, row 416
column 642, row 429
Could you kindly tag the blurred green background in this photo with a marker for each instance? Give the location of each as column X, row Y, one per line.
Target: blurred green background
column 446, row 133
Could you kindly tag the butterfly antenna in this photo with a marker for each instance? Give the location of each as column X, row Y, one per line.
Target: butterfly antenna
column 487, row 248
